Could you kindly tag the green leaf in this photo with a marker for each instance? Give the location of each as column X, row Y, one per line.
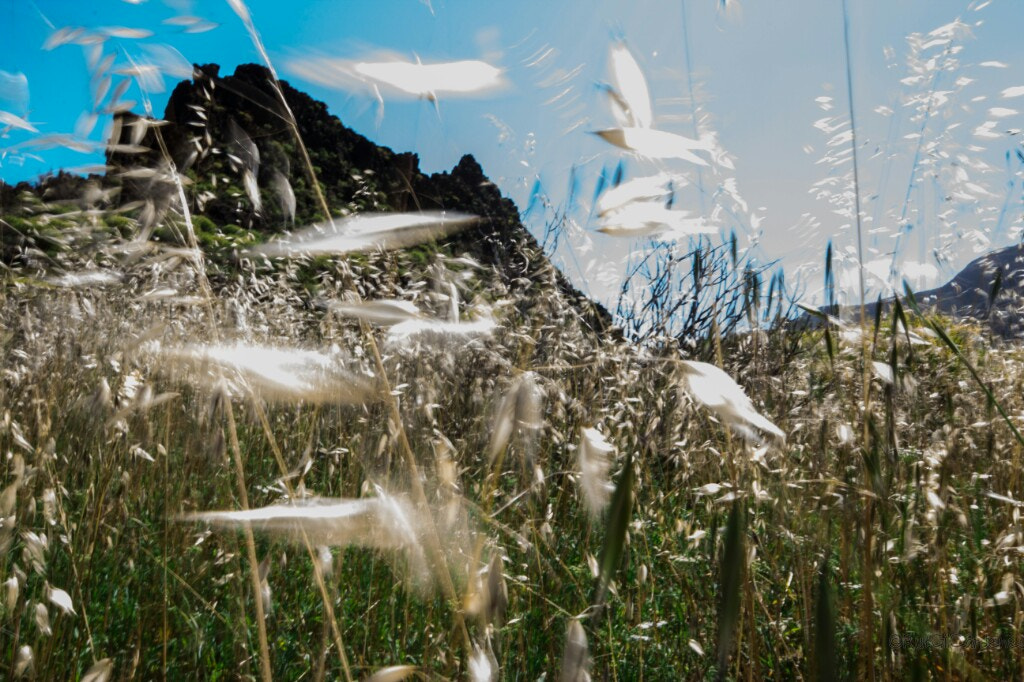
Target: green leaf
column 825, row 653
column 830, row 282
column 996, row 286
column 731, row 584
column 898, row 316
column 618, row 523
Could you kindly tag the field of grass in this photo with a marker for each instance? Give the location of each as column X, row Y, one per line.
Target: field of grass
column 416, row 452
column 883, row 543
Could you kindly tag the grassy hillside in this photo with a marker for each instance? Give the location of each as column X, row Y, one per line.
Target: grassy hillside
column 883, row 540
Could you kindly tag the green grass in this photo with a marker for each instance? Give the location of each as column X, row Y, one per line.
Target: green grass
column 162, row 596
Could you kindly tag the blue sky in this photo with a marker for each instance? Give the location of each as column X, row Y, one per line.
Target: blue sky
column 758, row 71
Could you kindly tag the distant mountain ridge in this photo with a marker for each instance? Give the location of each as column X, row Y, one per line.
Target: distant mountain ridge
column 969, row 294
column 355, row 174
column 206, row 115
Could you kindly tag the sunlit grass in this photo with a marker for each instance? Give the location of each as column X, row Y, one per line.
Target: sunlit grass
column 391, row 444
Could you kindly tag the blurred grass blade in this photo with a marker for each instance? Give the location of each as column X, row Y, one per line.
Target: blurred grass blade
column 380, row 313
column 825, row 653
column 631, row 85
column 595, row 456
column 830, row 346
column 100, row 671
column 394, row 673
column 731, row 584
column 386, row 522
column 497, row 591
column 899, row 317
column 365, row 232
column 997, row 285
column 643, row 188
column 878, row 321
column 277, row 374
column 575, row 659
column 830, row 281
column 813, row 312
column 719, row 393
column 654, row 144
column 618, row 523
column 872, row 459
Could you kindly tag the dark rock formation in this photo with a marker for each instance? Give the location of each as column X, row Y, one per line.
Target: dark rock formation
column 220, row 127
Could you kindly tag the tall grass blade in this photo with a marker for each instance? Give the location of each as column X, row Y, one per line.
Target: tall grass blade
column 644, row 188
column 730, row 584
column 520, row 409
column 619, row 516
column 272, row 373
column 497, row 591
column 595, row 461
column 440, row 331
column 720, row 394
column 826, row 655
column 378, row 313
column 394, row 673
column 401, row 77
column 651, row 218
column 631, row 86
column 994, row 292
column 654, row 144
column 376, row 522
column 100, row 671
column 369, row 232
column 576, row 656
